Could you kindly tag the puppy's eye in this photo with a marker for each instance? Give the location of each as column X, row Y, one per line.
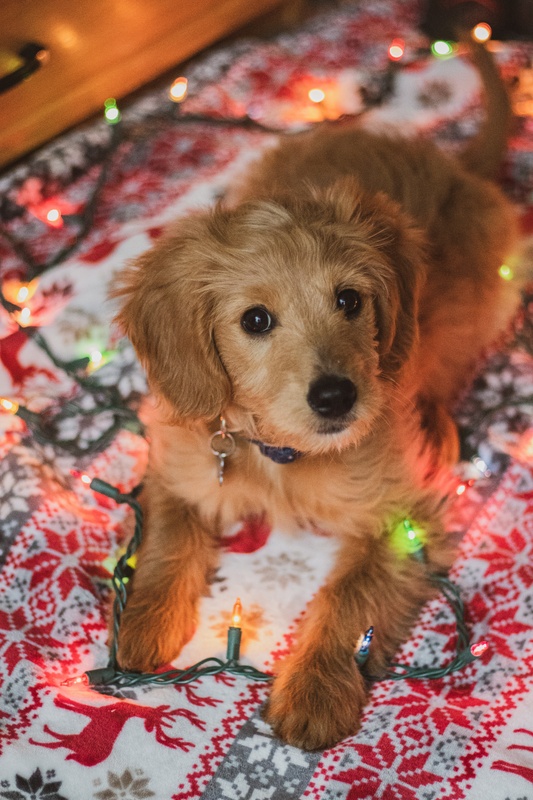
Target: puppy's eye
column 257, row 320
column 349, row 301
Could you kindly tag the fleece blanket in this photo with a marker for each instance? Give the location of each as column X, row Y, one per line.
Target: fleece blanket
column 71, row 216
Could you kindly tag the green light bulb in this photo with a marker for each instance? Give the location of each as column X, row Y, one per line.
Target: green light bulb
column 407, row 538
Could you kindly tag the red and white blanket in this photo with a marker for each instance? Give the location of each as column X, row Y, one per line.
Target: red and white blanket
column 469, row 735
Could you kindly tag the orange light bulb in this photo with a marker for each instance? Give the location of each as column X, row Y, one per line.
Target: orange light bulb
column 317, row 95
column 178, row 90
column 8, row 405
column 77, row 680
column 23, row 317
column 54, row 215
column 19, row 291
column 396, row 49
column 482, row 32
column 236, row 615
column 84, row 478
column 479, row 649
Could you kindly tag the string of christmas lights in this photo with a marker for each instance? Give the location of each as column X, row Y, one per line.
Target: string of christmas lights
column 112, row 673
column 45, row 425
column 54, row 218
column 409, row 539
column 406, row 537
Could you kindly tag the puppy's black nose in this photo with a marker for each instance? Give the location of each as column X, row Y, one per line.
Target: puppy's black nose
column 332, row 396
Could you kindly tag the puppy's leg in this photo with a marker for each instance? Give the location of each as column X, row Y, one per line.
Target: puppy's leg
column 175, row 558
column 318, row 696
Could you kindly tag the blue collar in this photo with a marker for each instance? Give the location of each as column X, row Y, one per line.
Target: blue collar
column 280, row 455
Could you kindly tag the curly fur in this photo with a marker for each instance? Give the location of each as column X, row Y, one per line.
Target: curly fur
column 421, row 238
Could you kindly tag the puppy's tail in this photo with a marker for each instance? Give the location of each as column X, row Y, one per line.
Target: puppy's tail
column 484, row 153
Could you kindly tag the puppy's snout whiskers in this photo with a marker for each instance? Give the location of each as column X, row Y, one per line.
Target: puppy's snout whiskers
column 332, row 396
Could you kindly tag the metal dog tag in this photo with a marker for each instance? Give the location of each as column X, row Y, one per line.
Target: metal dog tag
column 222, row 445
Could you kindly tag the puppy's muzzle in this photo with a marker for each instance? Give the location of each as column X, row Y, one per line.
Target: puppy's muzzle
column 331, row 396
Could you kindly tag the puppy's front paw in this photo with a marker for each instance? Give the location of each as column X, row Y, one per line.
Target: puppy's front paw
column 148, row 640
column 314, row 706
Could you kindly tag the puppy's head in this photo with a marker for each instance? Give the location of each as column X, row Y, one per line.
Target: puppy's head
column 289, row 316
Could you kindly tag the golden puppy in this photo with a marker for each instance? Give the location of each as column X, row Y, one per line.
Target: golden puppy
column 327, row 316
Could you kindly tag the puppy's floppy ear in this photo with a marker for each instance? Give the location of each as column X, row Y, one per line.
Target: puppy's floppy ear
column 398, row 271
column 166, row 313
column 397, row 304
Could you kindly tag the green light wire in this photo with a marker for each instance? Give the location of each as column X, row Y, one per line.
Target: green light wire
column 463, row 655
column 114, row 675
column 44, row 433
